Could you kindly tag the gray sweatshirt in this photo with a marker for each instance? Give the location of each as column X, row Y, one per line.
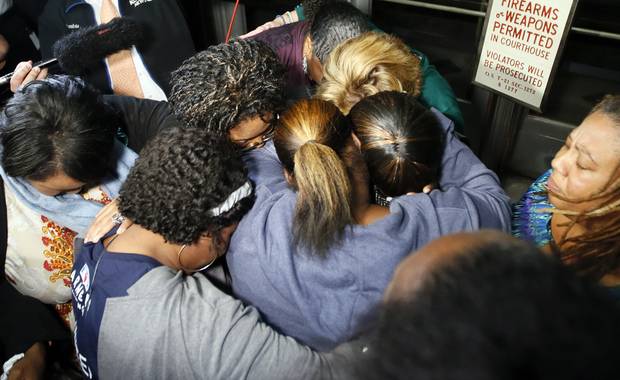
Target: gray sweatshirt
column 171, row 326
column 323, row 302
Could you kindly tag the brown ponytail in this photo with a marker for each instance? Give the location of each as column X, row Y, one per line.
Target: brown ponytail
column 308, row 141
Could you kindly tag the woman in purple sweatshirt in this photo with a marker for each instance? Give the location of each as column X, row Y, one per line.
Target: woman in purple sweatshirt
column 315, row 258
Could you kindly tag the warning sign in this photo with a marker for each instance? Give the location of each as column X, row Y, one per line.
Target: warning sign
column 522, row 41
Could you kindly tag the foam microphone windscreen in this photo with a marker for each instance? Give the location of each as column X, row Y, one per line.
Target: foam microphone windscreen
column 83, row 48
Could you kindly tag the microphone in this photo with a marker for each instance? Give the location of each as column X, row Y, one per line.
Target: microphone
column 79, row 50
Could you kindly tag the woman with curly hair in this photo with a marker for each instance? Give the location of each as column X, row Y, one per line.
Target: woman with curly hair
column 143, row 311
column 233, row 90
column 573, row 210
column 314, row 254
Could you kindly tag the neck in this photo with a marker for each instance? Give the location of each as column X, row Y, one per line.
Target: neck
column 560, row 231
column 140, row 241
column 305, row 49
column 364, row 212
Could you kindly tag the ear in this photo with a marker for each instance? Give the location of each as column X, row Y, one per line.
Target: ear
column 308, row 43
column 356, row 141
column 290, row 178
column 206, row 235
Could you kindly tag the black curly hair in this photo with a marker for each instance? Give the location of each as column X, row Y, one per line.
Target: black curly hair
column 181, row 175
column 502, row 311
column 219, row 87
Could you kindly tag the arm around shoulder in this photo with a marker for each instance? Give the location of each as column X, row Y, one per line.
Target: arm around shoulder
column 254, row 350
column 461, row 170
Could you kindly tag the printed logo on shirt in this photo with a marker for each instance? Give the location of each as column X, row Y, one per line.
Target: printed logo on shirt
column 80, row 284
column 136, row 3
column 81, row 358
column 73, row 26
column 85, row 274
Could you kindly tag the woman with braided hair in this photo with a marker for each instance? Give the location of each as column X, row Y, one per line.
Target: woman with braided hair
column 401, row 141
column 573, row 210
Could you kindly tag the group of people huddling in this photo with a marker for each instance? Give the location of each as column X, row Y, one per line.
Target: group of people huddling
column 302, row 207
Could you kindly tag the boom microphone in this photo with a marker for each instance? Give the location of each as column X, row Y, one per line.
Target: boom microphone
column 79, row 50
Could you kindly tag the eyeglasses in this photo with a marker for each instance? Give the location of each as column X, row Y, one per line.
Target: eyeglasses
column 265, row 136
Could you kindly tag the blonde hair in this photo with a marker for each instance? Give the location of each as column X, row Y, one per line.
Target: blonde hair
column 308, row 141
column 366, row 65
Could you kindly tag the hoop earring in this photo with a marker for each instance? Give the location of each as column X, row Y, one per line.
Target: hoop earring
column 304, row 64
column 192, row 270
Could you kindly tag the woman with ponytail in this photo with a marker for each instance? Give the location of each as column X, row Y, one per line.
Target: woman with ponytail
column 308, row 143
column 314, row 254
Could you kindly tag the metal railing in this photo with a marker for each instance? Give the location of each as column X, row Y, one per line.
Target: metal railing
column 471, row 12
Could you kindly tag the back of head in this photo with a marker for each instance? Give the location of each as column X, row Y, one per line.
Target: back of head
column 58, row 124
column 366, row 65
column 503, row 310
column 185, row 183
column 308, row 141
column 333, row 23
column 226, row 84
column 311, row 7
column 402, row 142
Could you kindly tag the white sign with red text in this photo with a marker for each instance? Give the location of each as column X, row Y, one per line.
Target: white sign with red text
column 521, row 44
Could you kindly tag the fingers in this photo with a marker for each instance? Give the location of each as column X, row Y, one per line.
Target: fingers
column 102, row 224
column 42, row 74
column 25, row 73
column 427, row 189
column 21, row 71
column 31, row 366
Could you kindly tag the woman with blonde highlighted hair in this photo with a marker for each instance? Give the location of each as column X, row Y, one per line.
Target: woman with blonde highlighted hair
column 314, row 255
column 309, row 142
column 366, row 65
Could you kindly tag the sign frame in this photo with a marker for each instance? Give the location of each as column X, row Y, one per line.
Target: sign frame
column 554, row 67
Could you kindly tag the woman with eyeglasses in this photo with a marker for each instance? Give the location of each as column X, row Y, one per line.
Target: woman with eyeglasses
column 142, row 309
column 234, row 90
column 314, row 254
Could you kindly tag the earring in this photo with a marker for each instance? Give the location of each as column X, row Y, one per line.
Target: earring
column 304, row 64
column 192, row 270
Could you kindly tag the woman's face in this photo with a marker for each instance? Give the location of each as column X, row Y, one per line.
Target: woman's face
column 586, row 166
column 208, row 249
column 58, row 184
column 253, row 132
